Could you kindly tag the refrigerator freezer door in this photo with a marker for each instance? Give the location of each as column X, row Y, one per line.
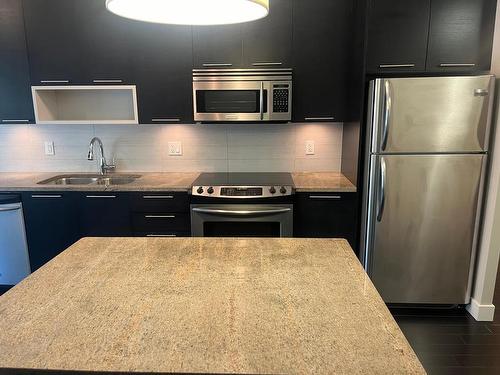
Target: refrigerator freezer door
column 424, row 224
column 432, row 115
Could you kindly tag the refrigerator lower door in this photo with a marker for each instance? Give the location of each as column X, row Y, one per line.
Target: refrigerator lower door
column 424, row 210
column 431, row 114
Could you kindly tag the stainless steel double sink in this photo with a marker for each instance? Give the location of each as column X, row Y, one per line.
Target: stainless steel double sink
column 90, row 179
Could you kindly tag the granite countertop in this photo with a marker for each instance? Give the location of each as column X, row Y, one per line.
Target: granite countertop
column 304, row 182
column 204, row 305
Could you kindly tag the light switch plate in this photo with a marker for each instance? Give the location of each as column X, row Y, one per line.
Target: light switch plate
column 309, row 147
column 49, row 148
column 175, row 148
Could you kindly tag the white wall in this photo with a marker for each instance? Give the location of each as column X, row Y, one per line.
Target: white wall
column 144, row 148
column 482, row 307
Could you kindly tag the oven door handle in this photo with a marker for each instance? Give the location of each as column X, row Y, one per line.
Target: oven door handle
column 241, row 212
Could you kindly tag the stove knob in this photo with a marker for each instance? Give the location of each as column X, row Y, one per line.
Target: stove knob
column 200, row 190
column 210, row 190
column 272, row 190
column 283, row 190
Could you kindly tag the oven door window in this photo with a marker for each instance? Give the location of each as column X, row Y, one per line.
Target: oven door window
column 230, row 101
column 241, row 229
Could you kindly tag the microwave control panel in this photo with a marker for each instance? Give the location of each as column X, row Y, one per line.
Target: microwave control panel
column 281, row 98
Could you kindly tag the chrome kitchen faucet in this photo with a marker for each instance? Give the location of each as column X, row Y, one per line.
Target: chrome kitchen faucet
column 104, row 167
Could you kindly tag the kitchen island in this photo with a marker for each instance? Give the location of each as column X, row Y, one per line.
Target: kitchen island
column 202, row 305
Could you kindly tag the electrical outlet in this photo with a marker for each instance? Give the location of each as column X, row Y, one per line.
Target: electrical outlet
column 309, row 147
column 175, row 148
column 49, row 148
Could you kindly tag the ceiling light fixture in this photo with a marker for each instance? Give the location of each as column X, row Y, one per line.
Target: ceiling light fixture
column 190, row 12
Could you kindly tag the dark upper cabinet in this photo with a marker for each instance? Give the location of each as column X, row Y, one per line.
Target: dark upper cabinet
column 51, row 221
column 104, row 214
column 267, row 43
column 53, row 33
column 461, row 35
column 164, row 84
column 330, row 215
column 397, row 35
column 16, row 105
column 218, row 46
column 77, row 42
column 322, row 36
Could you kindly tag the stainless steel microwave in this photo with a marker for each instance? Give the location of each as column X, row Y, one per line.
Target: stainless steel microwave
column 248, row 95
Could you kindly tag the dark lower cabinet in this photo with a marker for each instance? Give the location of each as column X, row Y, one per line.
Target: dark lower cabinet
column 15, row 94
column 104, row 214
column 326, row 215
column 461, row 35
column 51, row 221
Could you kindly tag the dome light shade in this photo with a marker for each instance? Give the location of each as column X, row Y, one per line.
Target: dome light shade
column 190, row 12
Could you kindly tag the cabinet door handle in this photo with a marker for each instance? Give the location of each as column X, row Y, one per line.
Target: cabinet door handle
column 217, row 65
column 390, row 66
column 55, row 81
column 166, row 120
column 107, row 81
column 101, row 196
column 267, row 64
column 325, row 197
column 161, row 235
column 46, row 196
column 14, row 121
column 159, row 216
column 158, row 197
column 319, row 118
column 451, row 65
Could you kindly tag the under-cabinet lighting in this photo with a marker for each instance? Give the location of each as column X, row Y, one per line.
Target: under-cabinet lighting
column 190, row 12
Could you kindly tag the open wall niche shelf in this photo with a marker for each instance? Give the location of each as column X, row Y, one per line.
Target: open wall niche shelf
column 85, row 105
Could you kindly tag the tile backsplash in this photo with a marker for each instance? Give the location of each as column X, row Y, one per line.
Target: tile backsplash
column 144, row 148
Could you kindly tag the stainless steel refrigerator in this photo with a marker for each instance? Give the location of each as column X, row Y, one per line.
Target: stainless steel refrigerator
column 427, row 144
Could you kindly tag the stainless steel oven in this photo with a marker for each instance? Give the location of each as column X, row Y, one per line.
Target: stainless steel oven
column 242, row 220
column 242, row 205
column 248, row 95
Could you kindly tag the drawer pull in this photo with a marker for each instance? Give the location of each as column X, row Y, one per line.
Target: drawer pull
column 166, row 120
column 267, row 64
column 325, row 197
column 55, row 81
column 107, row 81
column 319, row 118
column 159, row 216
column 390, row 66
column 161, row 235
column 14, row 121
column 46, row 196
column 448, row 65
column 101, row 196
column 216, row 65
column 158, row 197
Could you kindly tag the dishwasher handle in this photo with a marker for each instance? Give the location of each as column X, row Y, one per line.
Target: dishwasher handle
column 10, row 207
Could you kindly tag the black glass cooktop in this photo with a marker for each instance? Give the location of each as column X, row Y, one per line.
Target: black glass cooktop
column 244, row 179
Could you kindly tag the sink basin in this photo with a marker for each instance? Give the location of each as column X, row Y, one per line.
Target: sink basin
column 90, row 180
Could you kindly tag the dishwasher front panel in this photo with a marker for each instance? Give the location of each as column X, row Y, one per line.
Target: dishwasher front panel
column 14, row 258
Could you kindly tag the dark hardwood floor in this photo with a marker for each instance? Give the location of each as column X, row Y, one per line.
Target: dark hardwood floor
column 451, row 341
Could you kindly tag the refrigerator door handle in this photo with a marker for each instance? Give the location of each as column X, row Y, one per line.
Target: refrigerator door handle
column 381, row 197
column 387, row 113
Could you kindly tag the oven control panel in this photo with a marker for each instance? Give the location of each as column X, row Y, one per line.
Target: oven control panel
column 242, row 191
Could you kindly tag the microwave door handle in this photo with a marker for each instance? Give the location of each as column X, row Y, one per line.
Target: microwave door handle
column 261, row 101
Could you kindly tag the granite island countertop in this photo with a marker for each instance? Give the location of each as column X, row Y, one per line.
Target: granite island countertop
column 203, row 305
column 334, row 182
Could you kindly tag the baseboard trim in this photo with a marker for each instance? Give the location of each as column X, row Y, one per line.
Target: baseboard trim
column 482, row 313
